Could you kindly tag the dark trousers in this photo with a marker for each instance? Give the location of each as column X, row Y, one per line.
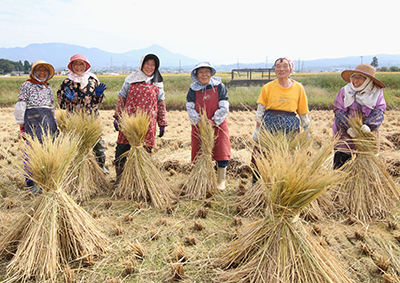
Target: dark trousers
column 340, row 158
column 120, row 157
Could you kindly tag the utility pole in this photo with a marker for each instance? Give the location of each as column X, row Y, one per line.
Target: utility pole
column 298, row 66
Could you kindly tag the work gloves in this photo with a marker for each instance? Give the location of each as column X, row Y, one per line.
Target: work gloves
column 99, row 89
column 69, row 94
column 162, row 131
column 352, row 133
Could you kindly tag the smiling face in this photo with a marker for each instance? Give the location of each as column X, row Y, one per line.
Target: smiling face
column 149, row 67
column 79, row 67
column 42, row 72
column 282, row 69
column 204, row 75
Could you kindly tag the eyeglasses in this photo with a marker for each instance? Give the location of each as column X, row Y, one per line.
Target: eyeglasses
column 357, row 77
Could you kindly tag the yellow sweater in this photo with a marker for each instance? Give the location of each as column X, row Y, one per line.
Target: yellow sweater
column 292, row 99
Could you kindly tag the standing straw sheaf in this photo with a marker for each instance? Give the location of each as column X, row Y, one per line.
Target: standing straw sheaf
column 256, row 198
column 370, row 192
column 90, row 179
column 279, row 248
column 141, row 180
column 202, row 181
column 55, row 229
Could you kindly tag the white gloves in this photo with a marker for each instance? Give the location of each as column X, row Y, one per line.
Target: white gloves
column 255, row 135
column 304, row 120
column 365, row 129
column 351, row 132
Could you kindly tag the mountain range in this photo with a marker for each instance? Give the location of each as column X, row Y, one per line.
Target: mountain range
column 58, row 55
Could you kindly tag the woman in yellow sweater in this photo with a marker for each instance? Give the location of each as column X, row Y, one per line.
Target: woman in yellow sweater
column 282, row 104
column 281, row 101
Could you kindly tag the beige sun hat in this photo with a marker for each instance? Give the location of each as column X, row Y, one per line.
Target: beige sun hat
column 363, row 69
column 44, row 63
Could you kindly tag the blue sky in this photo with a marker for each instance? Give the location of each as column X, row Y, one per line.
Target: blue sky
column 218, row 31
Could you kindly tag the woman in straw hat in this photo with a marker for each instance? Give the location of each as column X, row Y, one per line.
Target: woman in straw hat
column 363, row 95
column 34, row 110
column 82, row 90
column 143, row 89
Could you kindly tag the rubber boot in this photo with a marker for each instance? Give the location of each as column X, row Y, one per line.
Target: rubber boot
column 118, row 171
column 221, row 174
column 101, row 160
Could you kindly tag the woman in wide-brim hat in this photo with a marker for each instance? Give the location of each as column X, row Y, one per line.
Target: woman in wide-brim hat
column 34, row 110
column 363, row 95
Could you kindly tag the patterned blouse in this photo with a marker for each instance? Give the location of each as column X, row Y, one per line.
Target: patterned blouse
column 36, row 94
column 85, row 98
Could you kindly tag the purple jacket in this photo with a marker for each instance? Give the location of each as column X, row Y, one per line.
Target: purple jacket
column 373, row 118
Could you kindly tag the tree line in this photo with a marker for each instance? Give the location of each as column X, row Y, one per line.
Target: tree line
column 374, row 63
column 7, row 66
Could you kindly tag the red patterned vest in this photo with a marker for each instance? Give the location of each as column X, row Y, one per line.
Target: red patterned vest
column 144, row 96
column 222, row 147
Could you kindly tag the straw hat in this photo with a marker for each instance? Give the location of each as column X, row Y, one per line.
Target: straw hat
column 78, row 57
column 363, row 69
column 43, row 63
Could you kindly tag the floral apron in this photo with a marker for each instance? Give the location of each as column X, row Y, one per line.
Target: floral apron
column 141, row 96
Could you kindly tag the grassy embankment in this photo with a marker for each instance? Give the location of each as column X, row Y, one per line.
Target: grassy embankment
column 321, row 89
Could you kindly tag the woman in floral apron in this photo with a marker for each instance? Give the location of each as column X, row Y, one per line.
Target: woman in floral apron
column 143, row 89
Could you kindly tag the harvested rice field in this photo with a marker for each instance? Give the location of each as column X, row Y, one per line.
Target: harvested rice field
column 183, row 241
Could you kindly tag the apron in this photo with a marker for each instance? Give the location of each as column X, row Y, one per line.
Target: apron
column 278, row 121
column 144, row 96
column 208, row 100
column 39, row 121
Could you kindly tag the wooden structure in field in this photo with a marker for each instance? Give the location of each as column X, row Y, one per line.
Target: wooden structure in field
column 254, row 77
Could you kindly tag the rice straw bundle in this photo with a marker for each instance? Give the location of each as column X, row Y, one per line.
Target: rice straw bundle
column 256, row 197
column 202, row 181
column 279, row 248
column 55, row 229
column 141, row 179
column 90, row 179
column 370, row 192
